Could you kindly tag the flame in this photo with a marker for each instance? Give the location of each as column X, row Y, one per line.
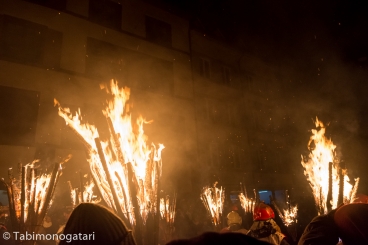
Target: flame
column 35, row 191
column 246, row 203
column 290, row 215
column 213, row 199
column 316, row 169
column 168, row 208
column 125, row 147
column 87, row 195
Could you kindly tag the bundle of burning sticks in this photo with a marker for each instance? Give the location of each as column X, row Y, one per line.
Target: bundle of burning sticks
column 83, row 193
column 322, row 162
column 213, row 199
column 168, row 209
column 125, row 169
column 288, row 215
column 30, row 196
column 246, row 203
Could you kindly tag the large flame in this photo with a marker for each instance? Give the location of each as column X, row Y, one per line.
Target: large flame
column 319, row 165
column 126, row 148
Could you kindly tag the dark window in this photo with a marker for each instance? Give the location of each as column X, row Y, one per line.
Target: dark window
column 158, row 31
column 130, row 68
column 106, row 13
column 30, row 43
column 105, row 60
column 55, row 4
column 205, row 68
column 19, row 110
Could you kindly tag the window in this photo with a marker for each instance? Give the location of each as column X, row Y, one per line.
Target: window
column 158, row 31
column 226, row 75
column 205, row 68
column 135, row 69
column 264, row 195
column 105, row 60
column 106, row 13
column 30, row 43
column 19, row 110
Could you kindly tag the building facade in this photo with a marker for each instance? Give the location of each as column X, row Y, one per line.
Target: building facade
column 202, row 94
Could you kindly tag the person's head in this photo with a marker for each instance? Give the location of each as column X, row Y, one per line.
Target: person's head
column 47, row 222
column 233, row 218
column 99, row 223
column 352, row 222
column 263, row 212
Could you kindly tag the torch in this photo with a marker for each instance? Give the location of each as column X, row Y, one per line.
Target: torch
column 167, row 214
column 124, row 168
column 320, row 163
column 30, row 197
column 246, row 203
column 213, row 199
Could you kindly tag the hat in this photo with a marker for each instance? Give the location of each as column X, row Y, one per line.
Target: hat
column 100, row 224
column 352, row 223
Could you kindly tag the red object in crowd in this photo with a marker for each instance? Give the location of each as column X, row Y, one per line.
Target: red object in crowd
column 263, row 212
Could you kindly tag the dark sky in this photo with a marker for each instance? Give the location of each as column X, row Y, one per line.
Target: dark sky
column 322, row 47
column 284, row 26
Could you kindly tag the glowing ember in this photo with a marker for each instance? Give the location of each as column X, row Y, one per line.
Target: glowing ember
column 319, row 165
column 246, row 203
column 213, row 199
column 124, row 153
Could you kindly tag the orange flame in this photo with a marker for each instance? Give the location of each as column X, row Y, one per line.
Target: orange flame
column 290, row 215
column 168, row 209
column 213, row 199
column 126, row 145
column 316, row 169
column 246, row 203
column 87, row 195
